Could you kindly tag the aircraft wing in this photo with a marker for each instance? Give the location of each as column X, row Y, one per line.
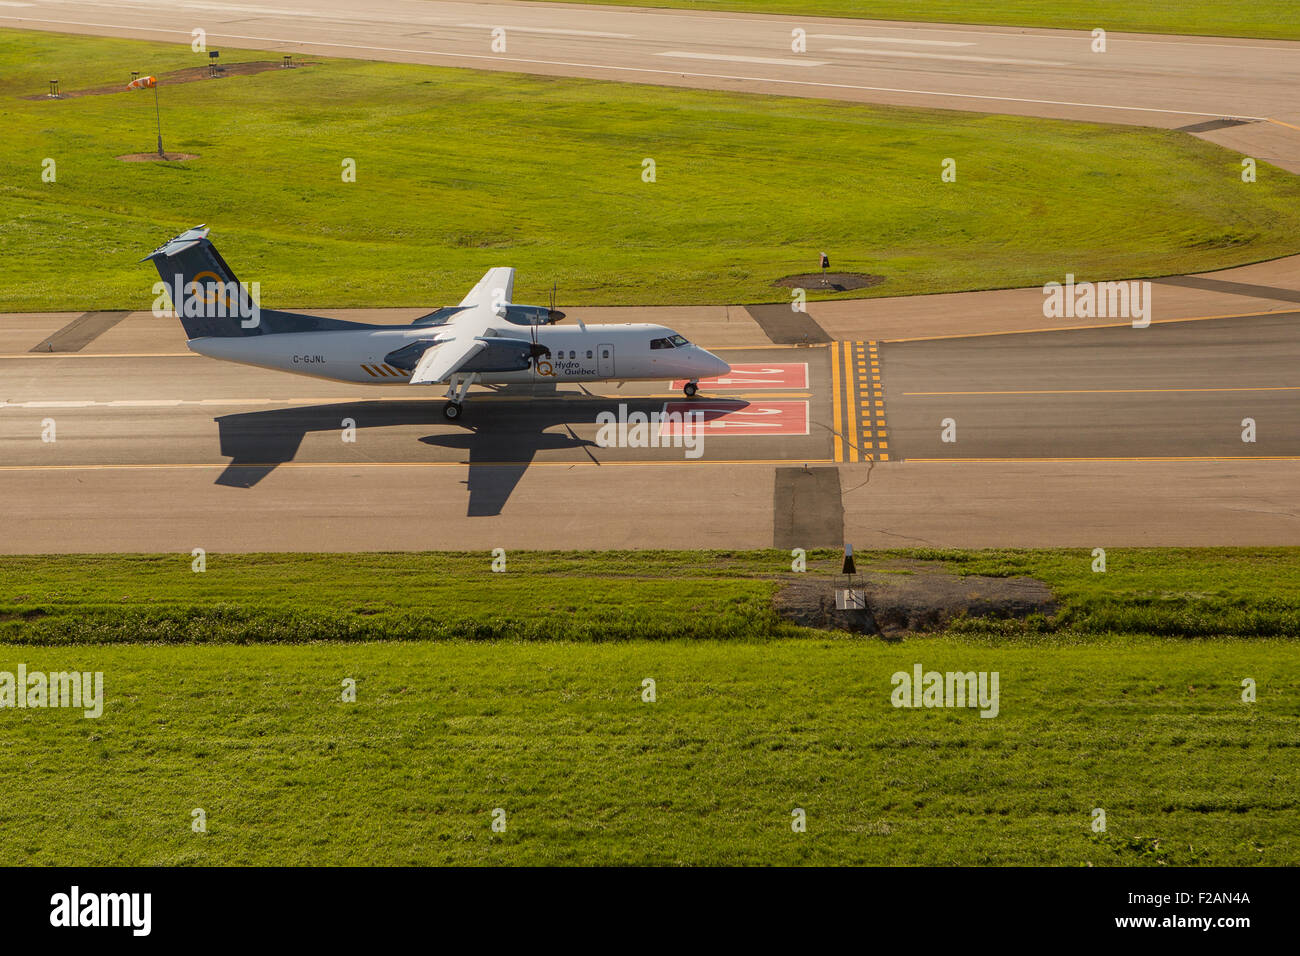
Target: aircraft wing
column 464, row 330
column 494, row 289
column 440, row 362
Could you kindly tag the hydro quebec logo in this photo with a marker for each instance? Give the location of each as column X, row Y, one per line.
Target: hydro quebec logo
column 75, row 909
column 952, row 689
column 207, row 296
column 75, row 689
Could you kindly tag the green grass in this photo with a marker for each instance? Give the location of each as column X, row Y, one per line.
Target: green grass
column 1267, row 18
column 606, row 596
column 458, row 171
column 753, row 718
column 557, row 735
column 1176, row 592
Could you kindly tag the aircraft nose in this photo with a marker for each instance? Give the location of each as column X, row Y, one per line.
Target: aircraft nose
column 713, row 366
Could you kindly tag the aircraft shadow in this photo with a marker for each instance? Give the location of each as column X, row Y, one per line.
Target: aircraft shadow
column 500, row 438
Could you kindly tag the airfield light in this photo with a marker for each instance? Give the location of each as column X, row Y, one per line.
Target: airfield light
column 850, row 597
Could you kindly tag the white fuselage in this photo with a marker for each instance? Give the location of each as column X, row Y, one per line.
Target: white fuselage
column 594, row 353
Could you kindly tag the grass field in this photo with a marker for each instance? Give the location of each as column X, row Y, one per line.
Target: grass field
column 556, row 735
column 458, row 171
column 605, row 596
column 1269, row 18
column 752, row 718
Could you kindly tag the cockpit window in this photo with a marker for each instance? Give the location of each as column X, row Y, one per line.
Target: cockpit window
column 671, row 342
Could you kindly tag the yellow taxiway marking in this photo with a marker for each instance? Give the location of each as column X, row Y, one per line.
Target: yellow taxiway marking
column 850, row 389
column 142, row 466
column 1280, row 123
column 1121, row 391
column 754, row 348
column 966, row 461
column 838, row 422
column 1075, row 328
column 96, row 355
column 643, row 462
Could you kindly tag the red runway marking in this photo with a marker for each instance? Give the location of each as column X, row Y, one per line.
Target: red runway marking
column 732, row 417
column 776, row 375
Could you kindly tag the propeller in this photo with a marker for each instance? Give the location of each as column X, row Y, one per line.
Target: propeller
column 553, row 314
column 538, row 350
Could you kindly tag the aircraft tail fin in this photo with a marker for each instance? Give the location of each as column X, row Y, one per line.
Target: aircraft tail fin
column 207, row 297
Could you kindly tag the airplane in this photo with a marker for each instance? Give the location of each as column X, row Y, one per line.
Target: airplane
column 486, row 339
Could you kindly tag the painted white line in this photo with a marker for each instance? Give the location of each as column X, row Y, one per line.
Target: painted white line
column 554, row 30
column 737, row 58
column 856, row 39
column 299, row 43
column 964, row 57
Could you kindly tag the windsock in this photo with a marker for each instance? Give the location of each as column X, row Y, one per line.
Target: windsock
column 142, row 83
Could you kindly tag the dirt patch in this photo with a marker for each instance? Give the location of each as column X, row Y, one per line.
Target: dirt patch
column 190, row 74
column 925, row 600
column 155, row 158
column 830, row 282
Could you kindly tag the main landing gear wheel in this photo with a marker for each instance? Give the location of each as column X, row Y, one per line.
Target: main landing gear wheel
column 690, row 389
column 451, row 410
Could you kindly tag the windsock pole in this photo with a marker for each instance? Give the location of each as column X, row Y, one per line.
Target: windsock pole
column 157, row 111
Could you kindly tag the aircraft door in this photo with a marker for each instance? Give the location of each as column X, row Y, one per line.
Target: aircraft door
column 605, row 361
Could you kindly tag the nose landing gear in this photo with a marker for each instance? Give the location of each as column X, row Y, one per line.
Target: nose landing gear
column 690, row 389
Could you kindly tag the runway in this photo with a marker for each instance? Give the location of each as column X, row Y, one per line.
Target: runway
column 1090, row 437
column 1238, row 93
column 836, row 428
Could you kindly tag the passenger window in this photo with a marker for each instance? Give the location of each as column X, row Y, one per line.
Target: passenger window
column 588, row 353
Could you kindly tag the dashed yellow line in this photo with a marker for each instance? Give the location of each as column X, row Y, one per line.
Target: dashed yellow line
column 859, row 402
column 875, row 435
